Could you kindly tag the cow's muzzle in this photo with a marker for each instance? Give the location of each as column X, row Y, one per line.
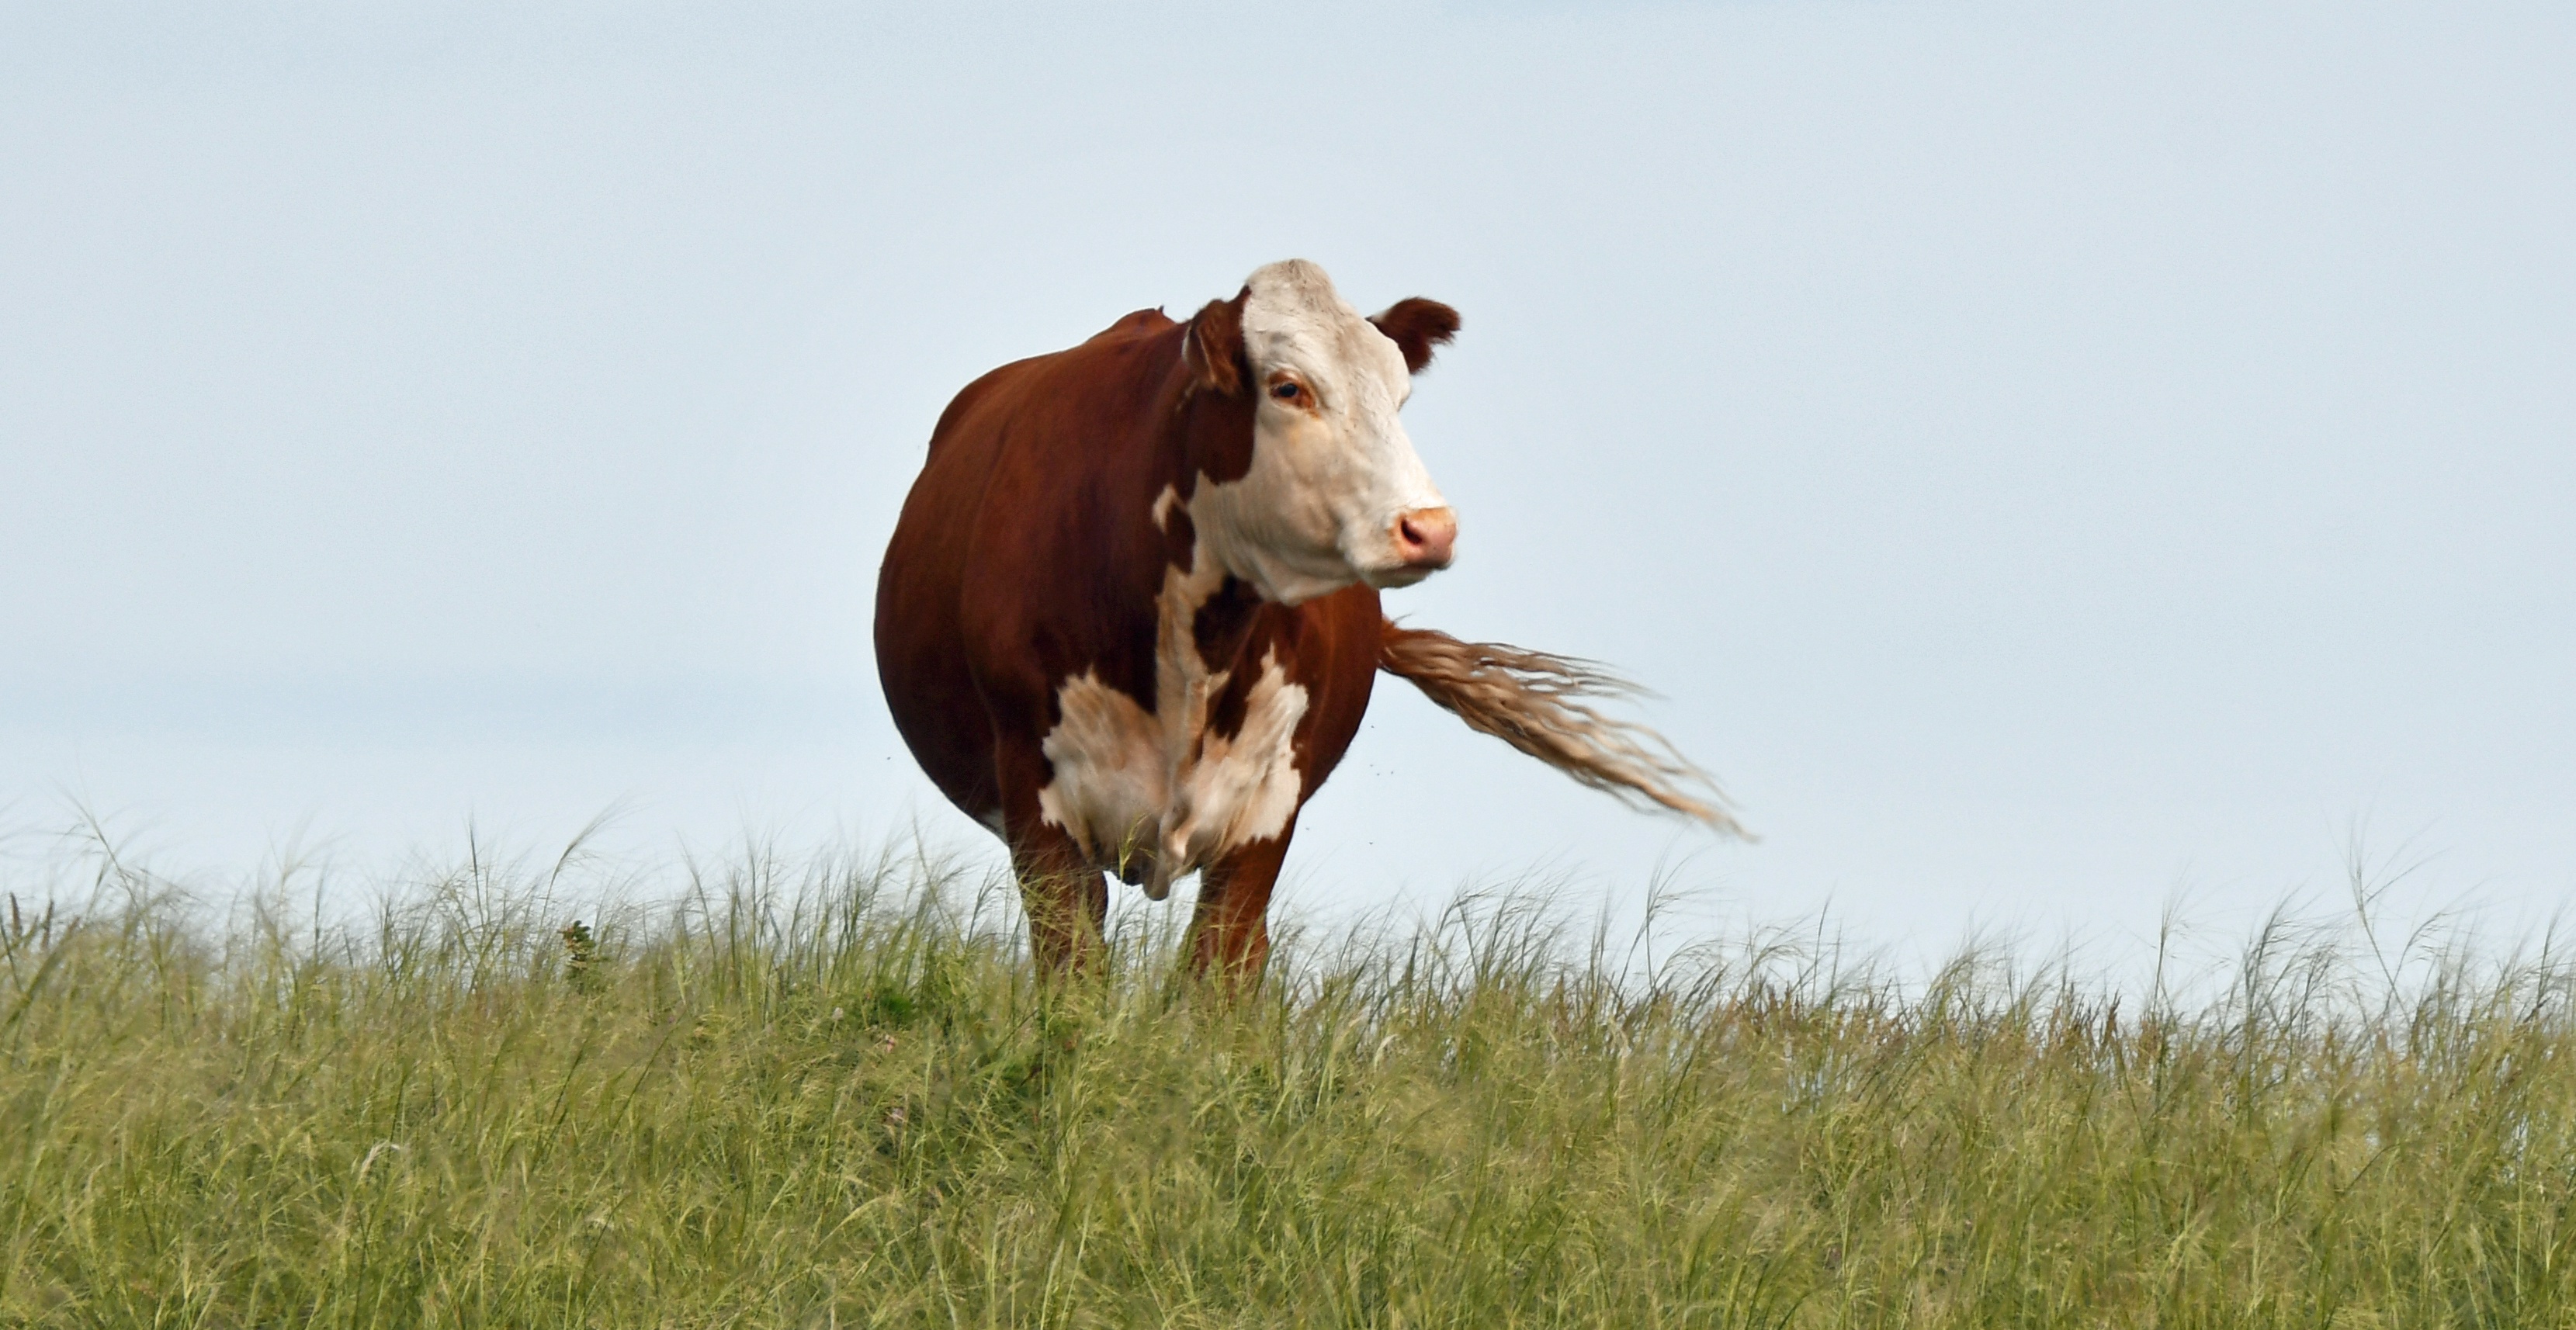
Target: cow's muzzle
column 1424, row 538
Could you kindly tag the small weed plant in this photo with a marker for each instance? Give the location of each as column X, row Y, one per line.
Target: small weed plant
column 832, row 1093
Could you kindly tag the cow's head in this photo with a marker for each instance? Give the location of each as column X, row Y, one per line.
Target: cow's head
column 1331, row 492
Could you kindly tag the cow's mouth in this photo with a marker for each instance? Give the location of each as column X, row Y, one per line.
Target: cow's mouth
column 1400, row 575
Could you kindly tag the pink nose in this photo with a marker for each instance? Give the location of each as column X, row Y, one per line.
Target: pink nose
column 1423, row 537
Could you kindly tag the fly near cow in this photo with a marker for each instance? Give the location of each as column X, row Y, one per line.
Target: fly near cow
column 1130, row 619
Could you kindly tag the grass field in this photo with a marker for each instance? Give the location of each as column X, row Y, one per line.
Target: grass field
column 831, row 1094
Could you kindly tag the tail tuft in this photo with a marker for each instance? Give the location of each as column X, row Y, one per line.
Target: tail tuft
column 1540, row 704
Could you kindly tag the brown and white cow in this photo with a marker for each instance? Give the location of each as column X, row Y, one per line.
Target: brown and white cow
column 1129, row 619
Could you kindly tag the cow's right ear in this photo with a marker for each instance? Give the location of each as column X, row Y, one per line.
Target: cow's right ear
column 1416, row 326
column 1214, row 351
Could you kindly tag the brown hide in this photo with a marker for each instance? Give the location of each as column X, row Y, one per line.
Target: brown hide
column 1027, row 553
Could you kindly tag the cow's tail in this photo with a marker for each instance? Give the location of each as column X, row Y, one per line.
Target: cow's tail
column 1543, row 706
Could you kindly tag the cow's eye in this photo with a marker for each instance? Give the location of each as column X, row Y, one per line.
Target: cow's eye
column 1286, row 390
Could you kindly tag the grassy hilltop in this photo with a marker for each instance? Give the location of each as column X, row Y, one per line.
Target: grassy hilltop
column 836, row 1097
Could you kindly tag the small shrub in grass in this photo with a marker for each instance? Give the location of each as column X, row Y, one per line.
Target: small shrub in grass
column 585, row 966
column 830, row 1094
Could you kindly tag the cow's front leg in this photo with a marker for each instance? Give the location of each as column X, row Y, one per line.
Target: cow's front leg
column 1230, row 929
column 1066, row 899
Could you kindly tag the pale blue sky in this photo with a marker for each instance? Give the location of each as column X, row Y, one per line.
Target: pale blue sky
column 2046, row 456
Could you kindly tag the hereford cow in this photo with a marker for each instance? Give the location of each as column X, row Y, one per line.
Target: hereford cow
column 1129, row 619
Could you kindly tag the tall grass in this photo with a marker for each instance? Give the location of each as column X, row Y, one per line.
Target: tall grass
column 831, row 1093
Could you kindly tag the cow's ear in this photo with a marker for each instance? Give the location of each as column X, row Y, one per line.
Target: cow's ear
column 1417, row 325
column 1214, row 351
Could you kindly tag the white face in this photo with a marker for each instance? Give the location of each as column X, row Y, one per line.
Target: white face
column 1333, row 475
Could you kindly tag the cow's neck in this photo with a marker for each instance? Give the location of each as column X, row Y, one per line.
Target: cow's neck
column 1204, row 608
column 1224, row 621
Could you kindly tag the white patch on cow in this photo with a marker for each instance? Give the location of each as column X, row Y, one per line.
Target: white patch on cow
column 1163, row 507
column 1109, row 780
column 1318, row 509
column 1243, row 788
column 1131, row 785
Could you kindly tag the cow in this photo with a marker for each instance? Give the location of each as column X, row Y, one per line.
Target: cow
column 1129, row 618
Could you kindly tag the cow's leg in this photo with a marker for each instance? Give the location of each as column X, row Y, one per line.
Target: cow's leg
column 1067, row 903
column 1065, row 898
column 1230, row 930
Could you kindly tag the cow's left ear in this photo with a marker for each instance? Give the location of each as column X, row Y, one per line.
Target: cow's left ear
column 1416, row 325
column 1214, row 351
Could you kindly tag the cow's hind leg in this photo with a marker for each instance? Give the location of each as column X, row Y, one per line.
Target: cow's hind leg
column 1230, row 930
